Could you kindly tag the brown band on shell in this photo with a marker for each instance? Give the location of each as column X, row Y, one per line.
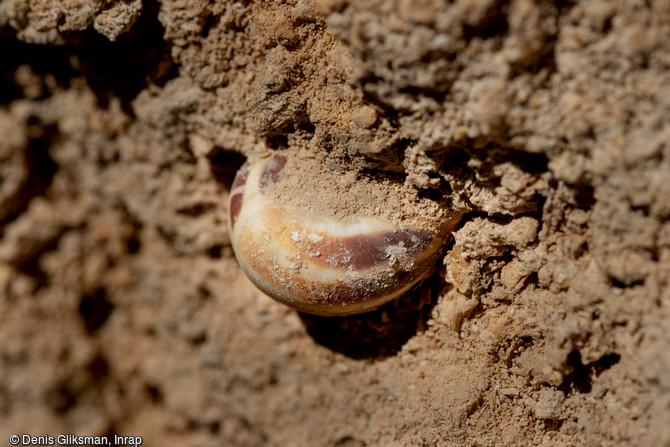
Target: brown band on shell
column 312, row 293
column 364, row 251
column 235, row 207
column 241, row 177
column 366, row 290
column 270, row 172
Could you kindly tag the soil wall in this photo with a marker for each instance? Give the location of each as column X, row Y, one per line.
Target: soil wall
column 122, row 307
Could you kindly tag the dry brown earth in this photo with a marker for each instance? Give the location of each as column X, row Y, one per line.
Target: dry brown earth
column 123, row 310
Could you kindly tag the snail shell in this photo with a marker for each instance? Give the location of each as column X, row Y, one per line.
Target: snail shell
column 320, row 261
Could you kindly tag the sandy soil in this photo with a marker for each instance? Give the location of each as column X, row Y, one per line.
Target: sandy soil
column 122, row 307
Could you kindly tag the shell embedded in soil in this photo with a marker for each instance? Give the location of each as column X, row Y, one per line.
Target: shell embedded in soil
column 324, row 263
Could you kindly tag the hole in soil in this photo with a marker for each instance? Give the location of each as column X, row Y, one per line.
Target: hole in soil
column 582, row 375
column 95, row 309
column 112, row 69
column 277, row 141
column 154, row 392
column 40, row 166
column 215, row 251
column 61, row 398
column 224, row 165
column 98, row 367
column 495, row 24
column 378, row 334
column 124, row 68
column 42, row 60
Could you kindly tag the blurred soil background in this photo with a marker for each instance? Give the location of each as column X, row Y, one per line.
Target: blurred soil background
column 123, row 310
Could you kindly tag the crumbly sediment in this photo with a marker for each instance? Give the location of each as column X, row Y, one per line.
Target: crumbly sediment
column 309, row 188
